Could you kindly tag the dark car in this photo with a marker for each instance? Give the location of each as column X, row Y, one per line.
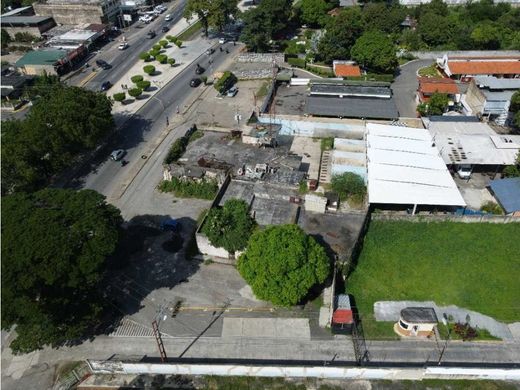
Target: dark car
column 151, row 34
column 106, row 86
column 195, row 82
column 103, row 64
column 165, row 28
column 199, row 69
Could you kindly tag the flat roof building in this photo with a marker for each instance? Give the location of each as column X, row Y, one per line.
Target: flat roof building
column 507, row 193
column 74, row 12
column 467, row 67
column 405, row 168
column 34, row 25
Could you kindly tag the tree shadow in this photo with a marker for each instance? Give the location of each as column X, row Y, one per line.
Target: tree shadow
column 128, row 136
column 141, row 264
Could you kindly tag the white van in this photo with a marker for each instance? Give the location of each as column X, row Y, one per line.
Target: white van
column 464, row 171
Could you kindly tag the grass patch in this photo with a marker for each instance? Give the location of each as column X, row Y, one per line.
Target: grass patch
column 262, row 91
column 482, row 334
column 378, row 330
column 187, row 34
column 474, row 266
column 327, row 143
column 250, row 383
column 196, row 135
column 303, row 188
column 429, row 71
column 205, row 189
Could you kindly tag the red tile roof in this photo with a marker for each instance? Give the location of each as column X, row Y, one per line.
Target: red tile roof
column 347, row 70
column 431, row 85
column 475, row 67
column 342, row 316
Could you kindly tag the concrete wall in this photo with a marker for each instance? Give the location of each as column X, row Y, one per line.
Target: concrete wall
column 446, row 218
column 220, row 254
column 305, row 371
column 292, row 125
column 261, row 57
column 37, row 69
column 424, row 55
column 71, row 13
column 475, row 99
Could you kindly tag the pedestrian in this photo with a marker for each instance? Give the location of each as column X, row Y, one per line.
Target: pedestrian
column 178, row 109
column 227, row 51
column 234, row 43
column 122, row 86
column 220, row 49
column 167, row 122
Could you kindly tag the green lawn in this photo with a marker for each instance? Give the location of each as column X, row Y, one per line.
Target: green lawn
column 190, row 31
column 430, row 71
column 474, row 266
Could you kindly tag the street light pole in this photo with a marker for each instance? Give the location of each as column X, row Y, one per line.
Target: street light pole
column 446, row 324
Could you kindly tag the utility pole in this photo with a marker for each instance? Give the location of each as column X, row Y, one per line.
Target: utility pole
column 447, row 325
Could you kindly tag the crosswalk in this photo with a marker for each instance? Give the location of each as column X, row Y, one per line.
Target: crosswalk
column 130, row 328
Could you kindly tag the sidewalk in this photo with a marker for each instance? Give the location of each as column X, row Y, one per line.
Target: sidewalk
column 183, row 56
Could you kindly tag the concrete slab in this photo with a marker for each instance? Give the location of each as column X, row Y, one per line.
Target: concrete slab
column 282, row 328
column 310, row 150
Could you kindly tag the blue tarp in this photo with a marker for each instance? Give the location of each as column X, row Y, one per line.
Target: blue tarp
column 170, row 224
column 507, row 193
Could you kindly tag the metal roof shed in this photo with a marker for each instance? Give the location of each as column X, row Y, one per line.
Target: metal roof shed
column 507, row 193
column 405, row 167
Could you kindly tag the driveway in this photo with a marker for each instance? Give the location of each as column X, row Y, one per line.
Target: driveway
column 405, row 86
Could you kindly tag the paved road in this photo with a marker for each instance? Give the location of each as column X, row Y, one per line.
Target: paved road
column 147, row 124
column 122, row 60
column 405, row 86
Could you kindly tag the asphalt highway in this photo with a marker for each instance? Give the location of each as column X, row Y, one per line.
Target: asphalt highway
column 148, row 122
column 122, row 60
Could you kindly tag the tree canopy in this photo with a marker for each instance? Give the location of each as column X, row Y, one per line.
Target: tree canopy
column 63, row 122
column 348, row 184
column 229, row 227
column 282, row 263
column 263, row 23
column 314, row 12
column 341, row 34
column 211, row 13
column 54, row 246
column 376, row 52
column 436, row 105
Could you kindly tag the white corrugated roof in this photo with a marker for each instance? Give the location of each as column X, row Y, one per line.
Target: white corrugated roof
column 404, row 167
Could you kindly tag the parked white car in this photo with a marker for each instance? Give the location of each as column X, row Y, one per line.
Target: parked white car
column 464, row 171
column 122, row 46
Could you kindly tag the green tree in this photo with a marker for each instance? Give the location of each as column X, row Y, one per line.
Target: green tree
column 375, row 51
column 486, row 36
column 515, row 102
column 171, row 61
column 211, row 13
column 436, row 105
column 54, row 248
column 513, row 170
column 229, row 227
column 314, row 12
column 6, row 39
column 163, row 42
column 263, row 23
column 380, row 17
column 162, row 58
column 43, row 85
column 145, row 56
column 282, row 263
column 341, row 34
column 62, row 123
column 348, row 184
column 434, row 29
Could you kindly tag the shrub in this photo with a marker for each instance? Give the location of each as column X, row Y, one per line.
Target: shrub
column 491, row 207
column 163, row 42
column 155, row 53
column 145, row 56
column 178, row 43
column 157, row 47
column 176, row 150
column 171, row 61
column 302, row 187
column 162, row 58
column 204, row 79
column 143, row 85
column 135, row 92
column 205, row 189
column 347, row 185
column 225, row 82
column 149, row 69
column 135, row 79
column 171, row 38
column 25, row 37
column 119, row 97
column 298, row 62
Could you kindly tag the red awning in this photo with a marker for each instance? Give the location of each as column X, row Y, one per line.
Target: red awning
column 342, row 316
